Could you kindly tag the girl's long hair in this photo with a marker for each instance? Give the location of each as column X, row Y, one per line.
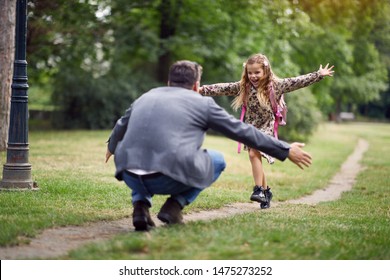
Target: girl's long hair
column 263, row 91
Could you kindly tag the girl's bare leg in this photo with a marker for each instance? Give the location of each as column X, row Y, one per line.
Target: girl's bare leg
column 261, row 192
column 258, row 176
column 257, row 168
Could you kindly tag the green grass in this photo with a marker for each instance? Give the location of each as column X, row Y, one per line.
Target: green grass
column 76, row 186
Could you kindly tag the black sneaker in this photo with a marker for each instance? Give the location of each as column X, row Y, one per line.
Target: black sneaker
column 258, row 194
column 268, row 196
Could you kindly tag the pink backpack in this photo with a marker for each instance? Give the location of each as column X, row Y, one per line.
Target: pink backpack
column 280, row 110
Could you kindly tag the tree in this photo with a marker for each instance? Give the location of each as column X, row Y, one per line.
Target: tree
column 7, row 42
column 83, row 52
column 169, row 12
column 380, row 109
column 347, row 32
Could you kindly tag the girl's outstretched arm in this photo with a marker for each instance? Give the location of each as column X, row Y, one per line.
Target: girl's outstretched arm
column 291, row 84
column 229, row 89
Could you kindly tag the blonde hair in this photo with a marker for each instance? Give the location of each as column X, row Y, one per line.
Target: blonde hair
column 264, row 85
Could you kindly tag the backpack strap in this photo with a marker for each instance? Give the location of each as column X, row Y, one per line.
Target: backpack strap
column 280, row 110
column 243, row 111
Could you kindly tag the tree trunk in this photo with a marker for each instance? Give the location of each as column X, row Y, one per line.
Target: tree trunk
column 338, row 110
column 7, row 43
column 169, row 12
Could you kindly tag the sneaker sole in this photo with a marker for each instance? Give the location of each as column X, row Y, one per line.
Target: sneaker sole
column 258, row 198
column 265, row 205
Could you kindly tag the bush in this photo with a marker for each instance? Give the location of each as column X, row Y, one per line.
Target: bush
column 89, row 103
column 303, row 116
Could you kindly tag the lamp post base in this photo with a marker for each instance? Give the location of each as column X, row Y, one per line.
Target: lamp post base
column 17, row 178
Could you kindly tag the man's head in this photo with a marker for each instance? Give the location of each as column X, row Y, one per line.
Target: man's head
column 185, row 74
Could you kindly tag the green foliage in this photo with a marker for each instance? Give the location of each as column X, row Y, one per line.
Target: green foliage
column 303, row 116
column 129, row 45
column 87, row 102
column 39, row 99
column 353, row 30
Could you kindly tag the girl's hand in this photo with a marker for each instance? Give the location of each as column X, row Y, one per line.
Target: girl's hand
column 108, row 155
column 326, row 71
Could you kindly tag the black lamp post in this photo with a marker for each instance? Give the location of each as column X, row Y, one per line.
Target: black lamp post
column 17, row 169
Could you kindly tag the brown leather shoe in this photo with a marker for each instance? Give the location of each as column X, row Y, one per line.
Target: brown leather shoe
column 170, row 212
column 141, row 216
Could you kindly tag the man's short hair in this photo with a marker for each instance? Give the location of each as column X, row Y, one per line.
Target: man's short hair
column 184, row 73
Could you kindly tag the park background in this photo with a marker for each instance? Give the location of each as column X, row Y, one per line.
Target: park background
column 88, row 60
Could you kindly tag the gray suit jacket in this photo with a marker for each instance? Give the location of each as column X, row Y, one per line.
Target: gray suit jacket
column 164, row 130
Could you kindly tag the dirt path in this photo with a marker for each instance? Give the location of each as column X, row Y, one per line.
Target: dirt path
column 56, row 242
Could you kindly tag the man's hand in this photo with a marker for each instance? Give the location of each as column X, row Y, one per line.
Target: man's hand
column 108, row 155
column 298, row 156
